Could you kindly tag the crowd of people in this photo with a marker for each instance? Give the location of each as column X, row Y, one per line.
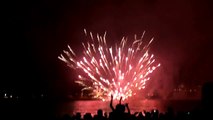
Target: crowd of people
column 45, row 110
column 122, row 112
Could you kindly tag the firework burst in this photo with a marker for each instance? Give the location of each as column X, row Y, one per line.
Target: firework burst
column 120, row 70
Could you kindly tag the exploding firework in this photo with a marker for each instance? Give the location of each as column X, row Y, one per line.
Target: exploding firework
column 120, row 70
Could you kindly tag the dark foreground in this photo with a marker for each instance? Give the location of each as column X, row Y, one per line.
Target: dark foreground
column 44, row 109
column 50, row 109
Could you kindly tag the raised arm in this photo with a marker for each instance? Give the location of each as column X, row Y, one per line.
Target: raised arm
column 127, row 106
column 111, row 106
column 120, row 100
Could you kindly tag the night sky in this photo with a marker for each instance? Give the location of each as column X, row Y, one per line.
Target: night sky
column 34, row 33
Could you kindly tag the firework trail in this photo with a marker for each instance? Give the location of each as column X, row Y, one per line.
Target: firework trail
column 120, row 70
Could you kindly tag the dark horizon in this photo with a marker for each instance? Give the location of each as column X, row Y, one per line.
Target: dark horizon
column 35, row 33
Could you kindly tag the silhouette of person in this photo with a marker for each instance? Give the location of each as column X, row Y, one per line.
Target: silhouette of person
column 119, row 111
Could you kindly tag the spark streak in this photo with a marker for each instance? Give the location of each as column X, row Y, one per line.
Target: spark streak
column 120, row 70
